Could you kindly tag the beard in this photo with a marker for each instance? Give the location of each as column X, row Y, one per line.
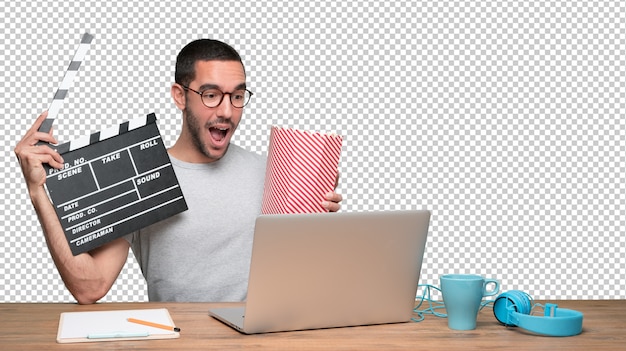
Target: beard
column 195, row 130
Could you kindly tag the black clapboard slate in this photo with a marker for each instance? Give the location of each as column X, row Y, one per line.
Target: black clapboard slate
column 117, row 182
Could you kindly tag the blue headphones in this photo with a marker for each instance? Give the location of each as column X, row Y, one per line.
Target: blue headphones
column 512, row 308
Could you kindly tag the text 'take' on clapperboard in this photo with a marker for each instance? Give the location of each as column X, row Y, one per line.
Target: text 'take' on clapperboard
column 113, row 182
column 122, row 180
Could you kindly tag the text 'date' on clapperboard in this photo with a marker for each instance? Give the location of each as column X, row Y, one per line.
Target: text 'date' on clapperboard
column 115, row 181
column 121, row 181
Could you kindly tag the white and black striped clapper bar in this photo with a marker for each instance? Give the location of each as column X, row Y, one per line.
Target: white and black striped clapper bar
column 66, row 83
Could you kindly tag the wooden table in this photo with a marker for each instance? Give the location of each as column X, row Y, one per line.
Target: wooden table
column 33, row 326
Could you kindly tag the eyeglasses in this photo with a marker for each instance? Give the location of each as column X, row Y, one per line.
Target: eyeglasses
column 213, row 97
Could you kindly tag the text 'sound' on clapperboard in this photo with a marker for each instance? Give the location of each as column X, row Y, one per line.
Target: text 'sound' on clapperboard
column 115, row 181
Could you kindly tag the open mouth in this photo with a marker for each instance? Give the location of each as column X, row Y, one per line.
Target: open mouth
column 218, row 134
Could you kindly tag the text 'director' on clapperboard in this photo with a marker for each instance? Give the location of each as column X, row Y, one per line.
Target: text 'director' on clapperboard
column 122, row 180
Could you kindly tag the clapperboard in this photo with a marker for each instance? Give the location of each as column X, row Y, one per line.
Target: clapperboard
column 115, row 181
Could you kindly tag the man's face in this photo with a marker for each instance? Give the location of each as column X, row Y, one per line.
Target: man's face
column 211, row 128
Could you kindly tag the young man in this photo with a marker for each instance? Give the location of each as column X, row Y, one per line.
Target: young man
column 202, row 254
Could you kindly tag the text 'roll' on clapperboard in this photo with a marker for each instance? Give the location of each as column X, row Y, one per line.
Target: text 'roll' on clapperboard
column 115, row 181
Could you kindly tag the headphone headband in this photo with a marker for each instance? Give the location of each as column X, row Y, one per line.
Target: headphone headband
column 512, row 308
column 564, row 322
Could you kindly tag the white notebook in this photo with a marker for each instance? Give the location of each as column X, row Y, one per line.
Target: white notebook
column 96, row 326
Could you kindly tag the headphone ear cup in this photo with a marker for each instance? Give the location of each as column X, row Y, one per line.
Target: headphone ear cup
column 508, row 302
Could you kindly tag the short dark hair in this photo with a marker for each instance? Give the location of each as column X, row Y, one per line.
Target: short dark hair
column 201, row 50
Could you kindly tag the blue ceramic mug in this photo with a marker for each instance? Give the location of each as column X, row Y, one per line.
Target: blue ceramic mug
column 462, row 294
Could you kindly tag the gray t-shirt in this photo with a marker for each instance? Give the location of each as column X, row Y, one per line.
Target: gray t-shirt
column 203, row 254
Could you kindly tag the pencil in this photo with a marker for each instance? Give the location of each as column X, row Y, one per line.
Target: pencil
column 152, row 324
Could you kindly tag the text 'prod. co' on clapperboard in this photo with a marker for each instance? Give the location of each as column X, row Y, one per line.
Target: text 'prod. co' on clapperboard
column 115, row 181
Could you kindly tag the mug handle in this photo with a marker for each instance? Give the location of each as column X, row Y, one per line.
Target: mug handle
column 496, row 287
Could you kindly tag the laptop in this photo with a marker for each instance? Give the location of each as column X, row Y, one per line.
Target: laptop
column 326, row 270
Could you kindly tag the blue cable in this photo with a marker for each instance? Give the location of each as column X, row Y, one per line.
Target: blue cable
column 433, row 305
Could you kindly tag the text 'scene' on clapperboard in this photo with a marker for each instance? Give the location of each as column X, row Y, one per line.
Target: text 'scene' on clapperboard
column 117, row 182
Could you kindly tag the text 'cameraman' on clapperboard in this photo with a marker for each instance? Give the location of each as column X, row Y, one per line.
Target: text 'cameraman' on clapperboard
column 115, row 181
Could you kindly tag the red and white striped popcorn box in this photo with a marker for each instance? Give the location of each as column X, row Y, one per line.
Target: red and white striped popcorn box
column 302, row 167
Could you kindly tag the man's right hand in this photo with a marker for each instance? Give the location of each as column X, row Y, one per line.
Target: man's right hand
column 33, row 155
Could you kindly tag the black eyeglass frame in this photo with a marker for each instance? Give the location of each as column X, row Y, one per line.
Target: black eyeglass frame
column 230, row 96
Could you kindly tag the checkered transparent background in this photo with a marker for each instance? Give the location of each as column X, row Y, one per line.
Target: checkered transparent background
column 506, row 119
